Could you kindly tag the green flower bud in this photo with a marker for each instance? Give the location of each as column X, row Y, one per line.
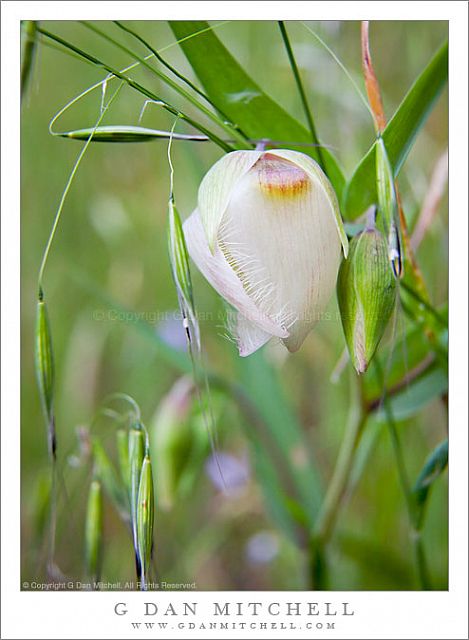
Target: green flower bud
column 366, row 291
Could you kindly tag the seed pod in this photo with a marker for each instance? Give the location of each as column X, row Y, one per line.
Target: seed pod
column 45, row 371
column 388, row 206
column 136, row 456
column 145, row 519
column 94, row 532
column 107, row 475
column 366, row 291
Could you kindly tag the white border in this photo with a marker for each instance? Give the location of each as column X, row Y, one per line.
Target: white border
column 378, row 615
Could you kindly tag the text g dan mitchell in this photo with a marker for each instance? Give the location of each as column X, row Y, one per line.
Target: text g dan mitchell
column 221, row 609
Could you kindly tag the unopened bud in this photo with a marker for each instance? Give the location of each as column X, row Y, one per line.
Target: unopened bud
column 366, row 291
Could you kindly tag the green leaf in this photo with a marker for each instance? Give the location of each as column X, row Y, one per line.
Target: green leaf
column 434, row 466
column 399, row 134
column 264, row 390
column 412, row 399
column 233, row 91
column 410, row 351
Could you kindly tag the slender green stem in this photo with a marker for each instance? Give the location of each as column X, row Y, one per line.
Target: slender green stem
column 138, row 87
column 424, row 303
column 338, row 485
column 421, row 561
column 342, row 66
column 67, row 188
column 52, row 517
column 301, row 91
column 228, row 128
column 419, row 553
column 179, row 75
column 336, row 490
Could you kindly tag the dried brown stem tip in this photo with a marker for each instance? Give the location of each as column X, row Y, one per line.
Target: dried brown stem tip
column 371, row 82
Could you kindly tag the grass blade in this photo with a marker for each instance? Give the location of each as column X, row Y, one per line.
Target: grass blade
column 237, row 95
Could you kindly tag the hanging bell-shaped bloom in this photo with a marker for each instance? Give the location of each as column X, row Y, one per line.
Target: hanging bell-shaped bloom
column 267, row 235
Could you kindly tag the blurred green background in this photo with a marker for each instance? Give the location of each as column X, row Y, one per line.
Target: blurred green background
column 110, row 255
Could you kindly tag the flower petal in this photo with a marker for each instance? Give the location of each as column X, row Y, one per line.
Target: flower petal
column 221, row 276
column 280, row 239
column 315, row 172
column 249, row 336
column 216, row 187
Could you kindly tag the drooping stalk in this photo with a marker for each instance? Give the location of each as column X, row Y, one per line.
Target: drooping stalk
column 68, row 185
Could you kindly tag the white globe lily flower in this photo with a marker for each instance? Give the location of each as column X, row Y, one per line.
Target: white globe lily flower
column 267, row 235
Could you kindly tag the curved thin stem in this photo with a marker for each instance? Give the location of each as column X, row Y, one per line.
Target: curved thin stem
column 67, row 188
column 341, row 65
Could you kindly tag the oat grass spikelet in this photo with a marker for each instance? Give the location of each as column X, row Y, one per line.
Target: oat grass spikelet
column 45, row 371
column 94, row 532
